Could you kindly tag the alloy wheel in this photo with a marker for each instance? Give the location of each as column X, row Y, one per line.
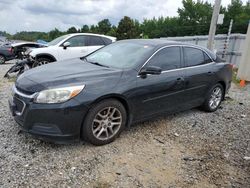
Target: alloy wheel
column 107, row 123
column 215, row 98
column 40, row 63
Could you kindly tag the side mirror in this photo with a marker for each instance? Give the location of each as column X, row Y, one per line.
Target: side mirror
column 150, row 70
column 65, row 45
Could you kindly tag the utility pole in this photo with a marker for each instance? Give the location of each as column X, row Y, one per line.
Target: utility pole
column 213, row 23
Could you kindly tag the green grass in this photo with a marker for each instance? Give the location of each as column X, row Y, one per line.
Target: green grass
column 235, row 80
column 12, row 79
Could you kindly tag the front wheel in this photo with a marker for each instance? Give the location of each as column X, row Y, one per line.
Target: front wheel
column 41, row 61
column 104, row 122
column 214, row 98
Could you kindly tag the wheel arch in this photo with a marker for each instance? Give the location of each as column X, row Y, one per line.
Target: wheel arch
column 224, row 87
column 46, row 55
column 117, row 97
column 122, row 99
column 3, row 55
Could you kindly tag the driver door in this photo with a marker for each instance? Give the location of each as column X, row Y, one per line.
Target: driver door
column 94, row 43
column 77, row 48
column 164, row 92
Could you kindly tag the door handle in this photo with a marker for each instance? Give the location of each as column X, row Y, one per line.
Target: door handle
column 180, row 80
column 210, row 73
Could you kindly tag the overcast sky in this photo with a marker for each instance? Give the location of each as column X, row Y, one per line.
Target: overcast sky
column 44, row 15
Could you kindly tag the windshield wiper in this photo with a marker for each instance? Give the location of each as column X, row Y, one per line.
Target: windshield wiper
column 83, row 58
column 95, row 63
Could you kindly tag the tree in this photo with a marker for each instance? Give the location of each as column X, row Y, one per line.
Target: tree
column 112, row 31
column 240, row 14
column 85, row 29
column 93, row 29
column 195, row 17
column 4, row 33
column 72, row 30
column 127, row 29
column 54, row 34
column 104, row 26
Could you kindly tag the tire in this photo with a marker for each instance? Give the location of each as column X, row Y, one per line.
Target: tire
column 97, row 125
column 2, row 59
column 213, row 100
column 41, row 61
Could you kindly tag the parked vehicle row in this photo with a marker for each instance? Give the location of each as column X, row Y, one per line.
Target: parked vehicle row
column 96, row 96
column 62, row 48
column 69, row 46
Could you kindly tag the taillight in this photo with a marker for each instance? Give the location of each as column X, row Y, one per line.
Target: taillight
column 10, row 50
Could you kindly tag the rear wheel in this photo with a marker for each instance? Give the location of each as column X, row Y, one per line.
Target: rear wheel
column 104, row 122
column 41, row 61
column 2, row 59
column 214, row 98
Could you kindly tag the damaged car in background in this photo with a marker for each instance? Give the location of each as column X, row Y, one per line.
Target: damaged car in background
column 22, row 49
column 20, row 52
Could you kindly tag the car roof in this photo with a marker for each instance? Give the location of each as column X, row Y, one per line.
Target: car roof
column 92, row 34
column 158, row 43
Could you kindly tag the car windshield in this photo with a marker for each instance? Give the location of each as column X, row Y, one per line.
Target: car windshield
column 120, row 54
column 57, row 40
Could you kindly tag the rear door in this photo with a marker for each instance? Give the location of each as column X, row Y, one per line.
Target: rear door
column 77, row 48
column 94, row 43
column 199, row 75
column 161, row 93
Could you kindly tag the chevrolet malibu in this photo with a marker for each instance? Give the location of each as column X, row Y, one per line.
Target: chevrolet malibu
column 95, row 97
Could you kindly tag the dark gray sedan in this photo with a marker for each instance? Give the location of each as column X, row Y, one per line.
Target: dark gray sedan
column 96, row 96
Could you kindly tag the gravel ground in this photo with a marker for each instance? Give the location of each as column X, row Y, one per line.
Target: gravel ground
column 188, row 149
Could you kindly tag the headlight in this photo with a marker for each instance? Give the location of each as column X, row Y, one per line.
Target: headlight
column 58, row 95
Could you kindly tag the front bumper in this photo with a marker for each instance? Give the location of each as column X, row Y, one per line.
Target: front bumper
column 59, row 123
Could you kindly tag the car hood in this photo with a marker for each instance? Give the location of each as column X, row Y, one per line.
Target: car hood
column 66, row 73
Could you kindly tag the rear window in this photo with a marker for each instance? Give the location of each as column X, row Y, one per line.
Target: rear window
column 218, row 59
column 95, row 41
column 107, row 41
column 194, row 57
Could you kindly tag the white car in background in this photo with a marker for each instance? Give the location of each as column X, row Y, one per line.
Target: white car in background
column 69, row 46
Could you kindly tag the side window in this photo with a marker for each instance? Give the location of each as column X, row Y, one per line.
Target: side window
column 167, row 58
column 95, row 41
column 194, row 57
column 106, row 40
column 77, row 41
column 207, row 59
